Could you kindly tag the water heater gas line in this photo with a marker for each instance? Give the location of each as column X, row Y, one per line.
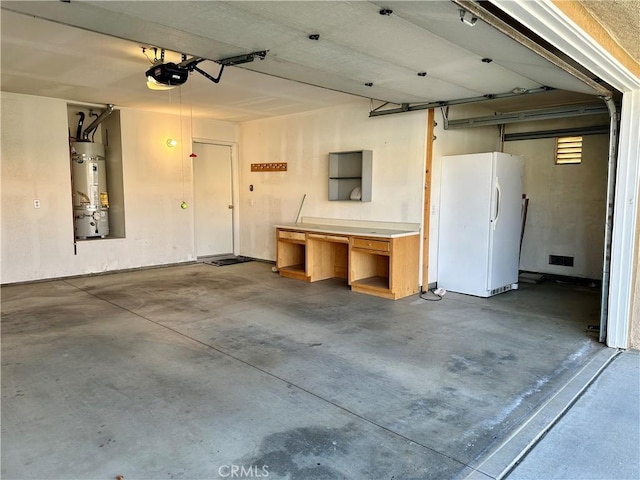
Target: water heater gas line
column 96, row 123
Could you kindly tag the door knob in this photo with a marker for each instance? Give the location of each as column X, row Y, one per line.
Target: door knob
column 231, row 206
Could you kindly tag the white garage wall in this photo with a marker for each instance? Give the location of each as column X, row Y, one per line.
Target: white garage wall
column 566, row 206
column 304, row 142
column 38, row 243
column 35, row 165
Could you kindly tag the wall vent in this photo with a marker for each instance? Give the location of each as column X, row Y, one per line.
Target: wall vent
column 568, row 150
column 561, row 260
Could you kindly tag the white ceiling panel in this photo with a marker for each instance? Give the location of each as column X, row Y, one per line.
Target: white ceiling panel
column 482, row 78
column 388, row 38
column 433, row 89
column 442, row 19
column 222, row 21
column 357, row 45
column 338, row 60
column 548, row 75
column 331, row 81
column 51, row 59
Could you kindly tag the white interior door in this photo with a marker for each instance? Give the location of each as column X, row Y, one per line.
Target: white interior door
column 213, row 199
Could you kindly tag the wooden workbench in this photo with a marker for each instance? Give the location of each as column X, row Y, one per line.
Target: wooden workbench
column 376, row 258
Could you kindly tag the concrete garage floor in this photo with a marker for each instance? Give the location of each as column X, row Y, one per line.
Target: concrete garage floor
column 197, row 371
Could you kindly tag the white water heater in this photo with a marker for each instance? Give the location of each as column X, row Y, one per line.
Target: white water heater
column 90, row 198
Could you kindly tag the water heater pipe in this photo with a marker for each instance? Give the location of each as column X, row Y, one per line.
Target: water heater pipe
column 96, row 122
column 80, row 122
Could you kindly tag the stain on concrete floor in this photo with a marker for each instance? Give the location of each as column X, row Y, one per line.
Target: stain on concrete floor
column 176, row 372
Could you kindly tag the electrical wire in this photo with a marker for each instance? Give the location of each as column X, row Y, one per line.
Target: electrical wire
column 93, row 135
column 432, row 291
column 181, row 141
column 191, row 106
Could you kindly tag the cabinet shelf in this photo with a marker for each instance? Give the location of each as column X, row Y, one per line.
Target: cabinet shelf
column 291, row 254
column 349, row 171
column 298, row 269
column 375, row 282
column 297, row 272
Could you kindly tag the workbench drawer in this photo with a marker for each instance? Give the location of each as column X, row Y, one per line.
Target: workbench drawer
column 300, row 236
column 368, row 244
column 329, row 238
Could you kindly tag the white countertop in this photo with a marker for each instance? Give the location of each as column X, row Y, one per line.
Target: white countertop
column 369, row 231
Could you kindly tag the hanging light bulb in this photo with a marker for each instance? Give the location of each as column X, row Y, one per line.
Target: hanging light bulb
column 153, row 84
column 171, row 142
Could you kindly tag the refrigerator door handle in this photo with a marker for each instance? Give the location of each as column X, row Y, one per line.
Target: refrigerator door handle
column 497, row 216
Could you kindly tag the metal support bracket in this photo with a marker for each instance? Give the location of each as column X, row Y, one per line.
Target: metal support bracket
column 410, row 107
column 210, row 77
column 191, row 64
column 445, row 117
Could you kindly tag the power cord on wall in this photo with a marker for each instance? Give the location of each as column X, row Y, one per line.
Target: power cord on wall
column 437, row 294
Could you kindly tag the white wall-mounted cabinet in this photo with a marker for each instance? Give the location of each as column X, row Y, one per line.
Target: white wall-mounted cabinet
column 350, row 175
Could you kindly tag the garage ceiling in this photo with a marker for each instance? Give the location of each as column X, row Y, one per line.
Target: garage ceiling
column 357, row 46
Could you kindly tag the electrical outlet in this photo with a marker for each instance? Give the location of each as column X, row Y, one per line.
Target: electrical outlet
column 36, row 204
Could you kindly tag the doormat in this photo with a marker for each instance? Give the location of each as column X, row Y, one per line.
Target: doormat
column 221, row 262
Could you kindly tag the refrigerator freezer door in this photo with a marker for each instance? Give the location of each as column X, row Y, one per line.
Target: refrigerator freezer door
column 506, row 207
column 464, row 231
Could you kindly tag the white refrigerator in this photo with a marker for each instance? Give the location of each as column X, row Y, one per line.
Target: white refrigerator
column 480, row 223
